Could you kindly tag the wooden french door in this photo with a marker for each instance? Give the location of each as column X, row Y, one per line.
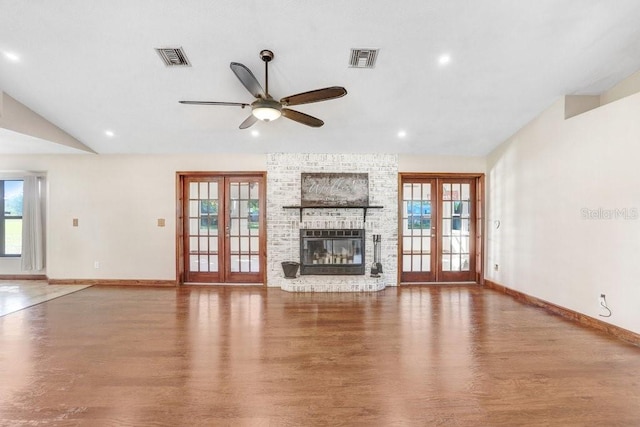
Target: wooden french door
column 222, row 228
column 439, row 228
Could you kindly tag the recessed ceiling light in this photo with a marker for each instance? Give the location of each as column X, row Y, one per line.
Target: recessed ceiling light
column 444, row 59
column 255, row 133
column 109, row 133
column 402, row 133
column 13, row 57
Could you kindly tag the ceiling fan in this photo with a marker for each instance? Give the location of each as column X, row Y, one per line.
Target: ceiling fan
column 266, row 108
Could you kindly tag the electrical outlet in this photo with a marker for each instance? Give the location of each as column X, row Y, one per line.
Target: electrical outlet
column 96, row 264
column 602, row 299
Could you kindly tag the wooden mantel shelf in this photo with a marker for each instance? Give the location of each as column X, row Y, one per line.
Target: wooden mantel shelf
column 364, row 208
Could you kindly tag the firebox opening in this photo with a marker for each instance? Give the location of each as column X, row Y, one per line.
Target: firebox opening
column 331, row 251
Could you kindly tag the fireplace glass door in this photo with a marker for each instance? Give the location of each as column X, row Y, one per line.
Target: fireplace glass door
column 332, row 252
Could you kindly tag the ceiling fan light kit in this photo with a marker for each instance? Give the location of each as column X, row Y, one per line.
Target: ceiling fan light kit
column 267, row 109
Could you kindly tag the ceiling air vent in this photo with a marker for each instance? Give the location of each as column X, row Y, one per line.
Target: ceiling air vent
column 173, row 57
column 363, row 58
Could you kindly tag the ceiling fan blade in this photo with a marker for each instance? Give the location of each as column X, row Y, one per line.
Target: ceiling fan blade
column 303, row 118
column 247, row 78
column 248, row 122
column 315, row 96
column 230, row 104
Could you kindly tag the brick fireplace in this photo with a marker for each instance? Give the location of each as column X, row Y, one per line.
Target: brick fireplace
column 286, row 226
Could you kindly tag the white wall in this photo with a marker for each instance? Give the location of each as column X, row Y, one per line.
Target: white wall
column 542, row 185
column 445, row 164
column 626, row 87
column 117, row 200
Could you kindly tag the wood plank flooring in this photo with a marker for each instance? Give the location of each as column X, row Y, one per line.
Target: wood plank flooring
column 209, row 356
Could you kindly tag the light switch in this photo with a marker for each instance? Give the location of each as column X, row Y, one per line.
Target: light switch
column 75, row 222
column 160, row 222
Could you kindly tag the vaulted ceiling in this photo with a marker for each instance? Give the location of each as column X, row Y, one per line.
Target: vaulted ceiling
column 90, row 67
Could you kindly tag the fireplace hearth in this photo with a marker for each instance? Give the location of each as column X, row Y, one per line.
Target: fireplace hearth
column 332, row 252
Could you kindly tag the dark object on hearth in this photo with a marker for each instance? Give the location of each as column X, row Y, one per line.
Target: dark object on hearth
column 377, row 253
column 374, row 269
column 290, row 269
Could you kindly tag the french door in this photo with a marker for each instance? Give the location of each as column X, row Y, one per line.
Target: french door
column 439, row 228
column 221, row 236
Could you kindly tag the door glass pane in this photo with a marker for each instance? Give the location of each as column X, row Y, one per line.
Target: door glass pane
column 416, row 244
column 446, row 209
column 446, row 263
column 235, row 263
column 416, row 192
column 244, row 244
column 406, row 262
column 426, row 263
column 244, row 226
column 203, row 191
column 426, row 245
column 193, row 263
column 234, row 227
column 244, row 208
column 254, row 263
column 466, row 192
column 416, row 264
column 446, row 227
column 234, row 188
column 455, row 263
column 204, row 244
column 465, row 263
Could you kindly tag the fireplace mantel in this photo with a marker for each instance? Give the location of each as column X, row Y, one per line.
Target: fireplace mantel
column 301, row 208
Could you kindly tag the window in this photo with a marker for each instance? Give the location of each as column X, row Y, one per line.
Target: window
column 11, row 217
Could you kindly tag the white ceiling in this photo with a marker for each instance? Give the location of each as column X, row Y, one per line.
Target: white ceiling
column 89, row 66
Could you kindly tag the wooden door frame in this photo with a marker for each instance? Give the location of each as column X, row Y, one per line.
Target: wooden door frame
column 479, row 179
column 180, row 193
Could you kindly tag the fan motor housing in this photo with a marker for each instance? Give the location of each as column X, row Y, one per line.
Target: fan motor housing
column 266, row 55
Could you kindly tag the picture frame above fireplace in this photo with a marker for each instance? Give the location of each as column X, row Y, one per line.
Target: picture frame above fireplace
column 334, row 189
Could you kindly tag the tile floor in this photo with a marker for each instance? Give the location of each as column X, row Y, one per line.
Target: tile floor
column 16, row 295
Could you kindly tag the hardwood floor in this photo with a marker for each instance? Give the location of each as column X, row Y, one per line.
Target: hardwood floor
column 452, row 356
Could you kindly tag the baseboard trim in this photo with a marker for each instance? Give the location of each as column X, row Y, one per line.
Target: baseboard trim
column 114, row 282
column 580, row 318
column 23, row 277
